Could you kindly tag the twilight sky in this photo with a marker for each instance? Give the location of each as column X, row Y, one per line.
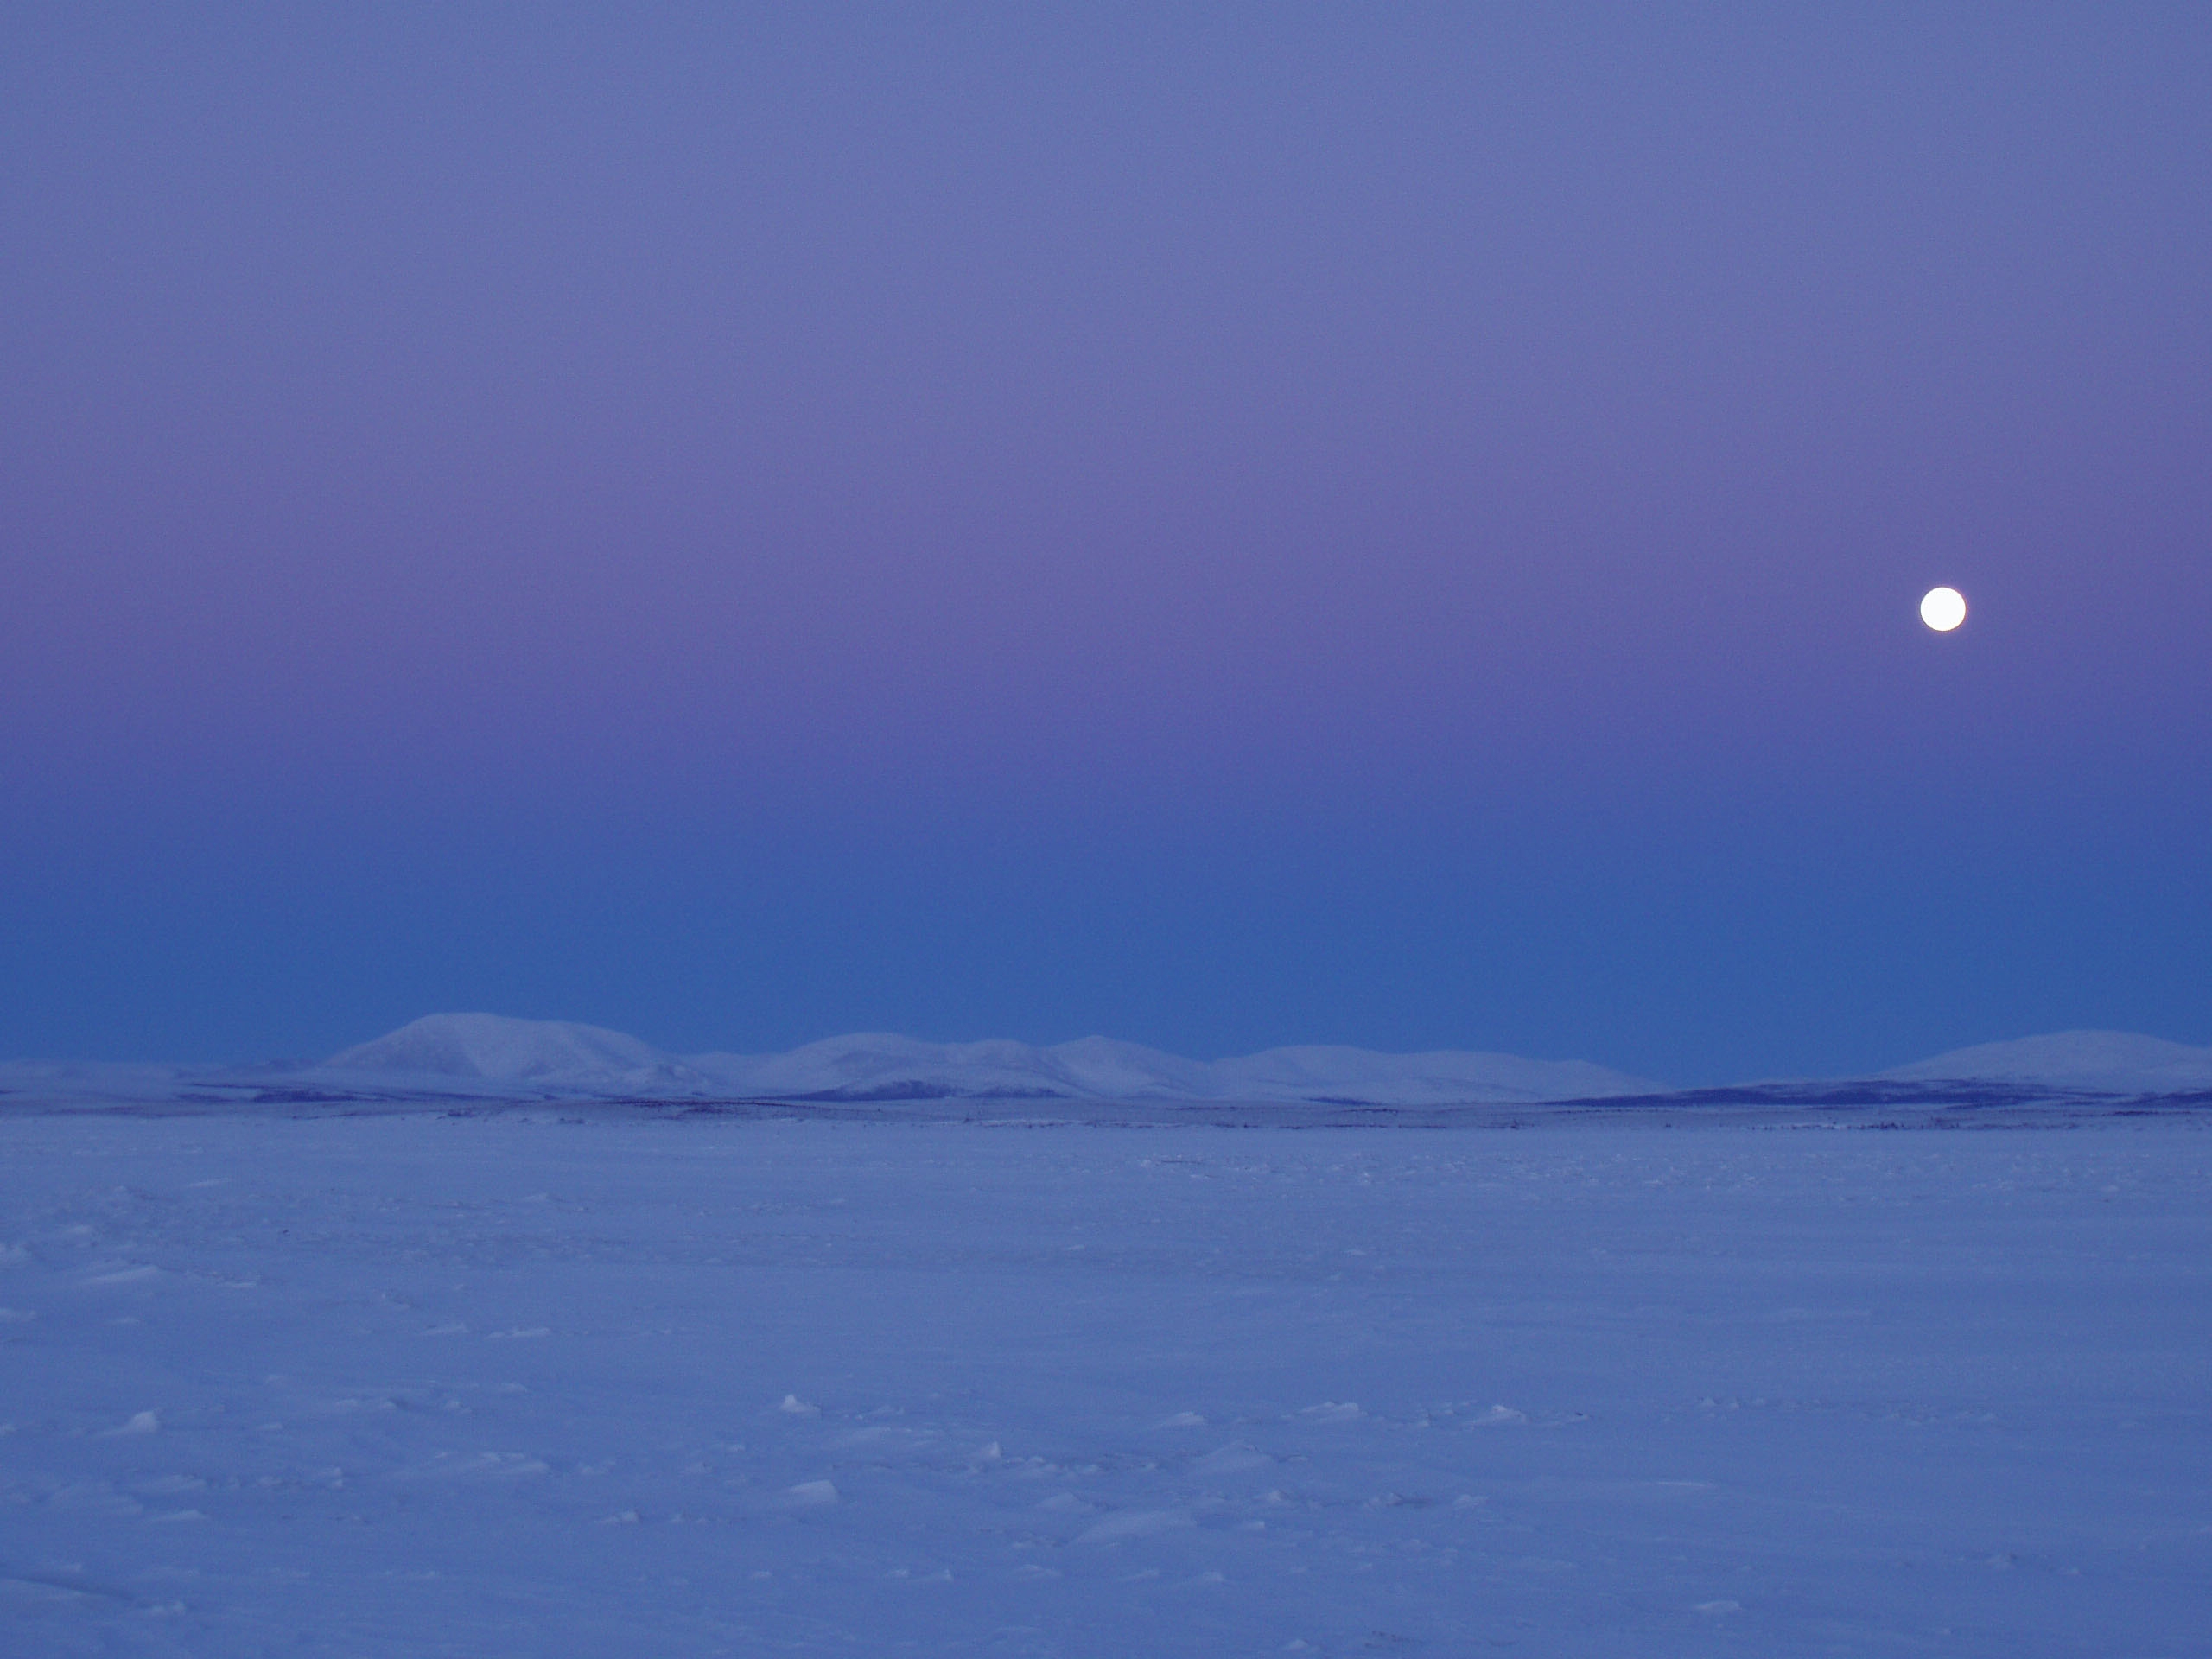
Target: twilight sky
column 1220, row 526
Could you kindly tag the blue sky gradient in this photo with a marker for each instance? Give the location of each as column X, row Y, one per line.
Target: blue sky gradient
column 1287, row 525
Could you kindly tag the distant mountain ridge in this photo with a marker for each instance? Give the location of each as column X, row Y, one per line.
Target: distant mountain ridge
column 874, row 1065
column 493, row 1048
column 464, row 1057
column 2120, row 1062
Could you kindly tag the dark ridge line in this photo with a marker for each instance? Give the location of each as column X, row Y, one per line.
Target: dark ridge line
column 1844, row 1103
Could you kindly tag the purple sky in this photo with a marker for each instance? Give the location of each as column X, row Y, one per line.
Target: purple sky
column 1395, row 526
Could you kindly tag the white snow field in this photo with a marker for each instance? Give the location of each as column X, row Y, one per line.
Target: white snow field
column 530, row 1382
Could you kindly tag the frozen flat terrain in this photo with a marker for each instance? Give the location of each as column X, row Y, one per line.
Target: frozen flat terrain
column 505, row 1384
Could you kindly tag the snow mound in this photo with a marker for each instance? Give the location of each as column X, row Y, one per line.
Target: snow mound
column 2116, row 1062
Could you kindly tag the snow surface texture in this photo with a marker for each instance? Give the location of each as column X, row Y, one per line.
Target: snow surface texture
column 505, row 1383
column 482, row 1056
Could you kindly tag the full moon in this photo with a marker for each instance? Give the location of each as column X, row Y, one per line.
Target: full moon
column 1943, row 608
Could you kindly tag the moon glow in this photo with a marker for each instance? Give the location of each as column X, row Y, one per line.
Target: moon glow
column 1943, row 608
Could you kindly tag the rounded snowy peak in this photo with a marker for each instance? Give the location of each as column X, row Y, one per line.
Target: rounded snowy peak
column 494, row 1048
column 2120, row 1061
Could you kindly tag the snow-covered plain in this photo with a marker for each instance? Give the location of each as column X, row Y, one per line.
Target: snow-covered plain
column 542, row 1382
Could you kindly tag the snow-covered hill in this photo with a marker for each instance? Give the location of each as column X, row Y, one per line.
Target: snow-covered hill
column 2106, row 1062
column 490, row 1056
column 873, row 1066
column 876, row 1065
column 549, row 1054
column 461, row 1053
